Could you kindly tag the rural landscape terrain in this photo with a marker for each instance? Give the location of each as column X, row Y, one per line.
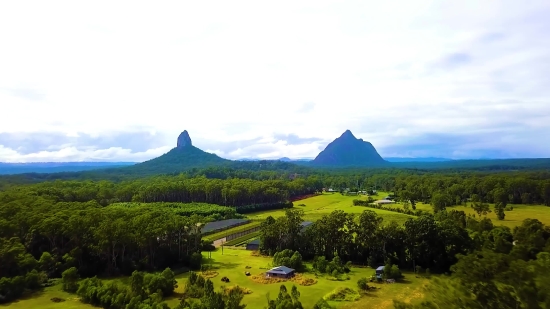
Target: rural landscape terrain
column 346, row 230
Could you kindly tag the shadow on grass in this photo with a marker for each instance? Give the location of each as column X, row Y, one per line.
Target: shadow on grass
column 25, row 296
column 213, row 265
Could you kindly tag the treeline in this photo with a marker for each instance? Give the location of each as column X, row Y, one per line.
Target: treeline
column 491, row 266
column 506, row 270
column 40, row 239
column 429, row 241
column 181, row 189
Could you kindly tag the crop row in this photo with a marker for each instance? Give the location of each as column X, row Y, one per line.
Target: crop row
column 241, row 239
column 187, row 209
column 237, row 229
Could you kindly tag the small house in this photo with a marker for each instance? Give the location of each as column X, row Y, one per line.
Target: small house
column 305, row 225
column 380, row 272
column 253, row 245
column 280, row 272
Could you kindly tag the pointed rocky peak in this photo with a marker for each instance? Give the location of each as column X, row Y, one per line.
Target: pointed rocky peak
column 347, row 135
column 184, row 140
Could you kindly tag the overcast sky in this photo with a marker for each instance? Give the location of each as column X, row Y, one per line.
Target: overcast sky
column 118, row 81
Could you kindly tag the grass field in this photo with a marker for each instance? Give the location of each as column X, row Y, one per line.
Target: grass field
column 513, row 218
column 318, row 206
column 232, row 264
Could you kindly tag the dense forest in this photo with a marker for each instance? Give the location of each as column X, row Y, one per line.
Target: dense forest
column 74, row 228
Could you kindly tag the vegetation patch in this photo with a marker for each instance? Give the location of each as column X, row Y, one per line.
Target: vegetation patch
column 242, row 239
column 207, row 274
column 297, row 278
column 240, row 289
column 235, row 230
column 57, row 300
column 343, row 294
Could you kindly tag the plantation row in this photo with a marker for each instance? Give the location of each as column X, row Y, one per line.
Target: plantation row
column 216, row 212
column 235, row 230
column 242, row 239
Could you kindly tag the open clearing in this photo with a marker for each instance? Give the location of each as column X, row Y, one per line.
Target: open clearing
column 318, row 206
column 232, row 264
column 513, row 218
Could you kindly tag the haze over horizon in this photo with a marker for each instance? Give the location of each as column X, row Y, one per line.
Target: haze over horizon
column 119, row 81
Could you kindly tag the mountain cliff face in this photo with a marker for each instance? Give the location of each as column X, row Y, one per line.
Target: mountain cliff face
column 347, row 150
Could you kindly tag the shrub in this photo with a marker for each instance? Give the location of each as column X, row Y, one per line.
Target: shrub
column 392, row 272
column 362, row 284
column 342, row 294
column 69, row 280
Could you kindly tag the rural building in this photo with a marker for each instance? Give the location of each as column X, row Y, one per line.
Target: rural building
column 305, row 225
column 280, row 272
column 380, row 272
column 351, row 193
column 384, row 202
column 253, row 245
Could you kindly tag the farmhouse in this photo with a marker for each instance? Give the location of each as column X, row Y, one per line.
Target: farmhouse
column 253, row 245
column 280, row 272
column 380, row 272
column 384, row 202
column 305, row 225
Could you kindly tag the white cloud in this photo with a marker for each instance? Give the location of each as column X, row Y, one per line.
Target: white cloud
column 79, row 155
column 234, row 71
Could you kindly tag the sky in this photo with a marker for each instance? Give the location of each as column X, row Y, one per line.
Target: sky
column 120, row 80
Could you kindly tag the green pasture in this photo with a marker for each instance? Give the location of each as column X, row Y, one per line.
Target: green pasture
column 513, row 218
column 232, row 264
column 320, row 205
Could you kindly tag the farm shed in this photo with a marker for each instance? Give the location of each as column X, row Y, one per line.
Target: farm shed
column 280, row 272
column 304, row 225
column 380, row 272
column 253, row 245
column 384, row 202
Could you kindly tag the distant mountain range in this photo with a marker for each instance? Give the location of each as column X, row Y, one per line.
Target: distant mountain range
column 344, row 151
column 57, row 167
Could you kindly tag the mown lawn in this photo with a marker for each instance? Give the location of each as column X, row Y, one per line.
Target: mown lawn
column 318, row 206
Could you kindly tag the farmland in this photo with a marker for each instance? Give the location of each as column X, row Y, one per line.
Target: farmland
column 233, row 230
column 316, row 207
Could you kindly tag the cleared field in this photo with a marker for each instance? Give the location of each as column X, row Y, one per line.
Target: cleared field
column 42, row 300
column 233, row 262
column 513, row 218
column 318, row 206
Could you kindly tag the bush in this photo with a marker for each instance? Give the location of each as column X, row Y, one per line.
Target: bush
column 69, row 280
column 392, row 272
column 363, row 284
column 195, row 260
column 342, row 294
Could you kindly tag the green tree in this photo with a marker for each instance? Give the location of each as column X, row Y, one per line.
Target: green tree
column 69, row 280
